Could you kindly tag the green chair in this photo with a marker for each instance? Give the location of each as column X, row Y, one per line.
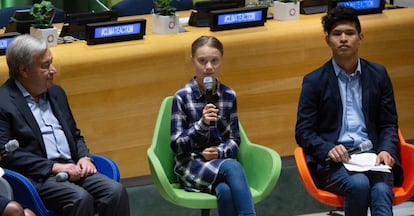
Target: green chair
column 261, row 164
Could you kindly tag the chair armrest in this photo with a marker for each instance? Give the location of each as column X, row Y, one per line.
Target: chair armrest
column 25, row 193
column 303, row 170
column 407, row 162
column 406, row 191
column 323, row 196
column 159, row 176
column 262, row 166
column 106, row 166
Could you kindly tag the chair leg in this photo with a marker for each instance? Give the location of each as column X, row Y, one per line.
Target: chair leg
column 205, row 212
column 336, row 212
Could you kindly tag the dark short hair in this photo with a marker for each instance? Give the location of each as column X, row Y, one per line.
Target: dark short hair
column 339, row 14
column 210, row 41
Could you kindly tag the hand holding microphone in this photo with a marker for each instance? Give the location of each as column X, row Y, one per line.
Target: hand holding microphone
column 66, row 172
column 362, row 147
column 210, row 112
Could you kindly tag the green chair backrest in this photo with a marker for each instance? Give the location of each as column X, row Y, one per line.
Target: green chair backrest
column 162, row 139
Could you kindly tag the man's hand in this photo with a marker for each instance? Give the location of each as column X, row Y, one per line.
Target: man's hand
column 385, row 158
column 73, row 170
column 210, row 153
column 339, row 154
column 83, row 168
column 87, row 167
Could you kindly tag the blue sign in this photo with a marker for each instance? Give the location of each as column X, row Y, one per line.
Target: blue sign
column 117, row 30
column 240, row 17
column 4, row 42
column 361, row 4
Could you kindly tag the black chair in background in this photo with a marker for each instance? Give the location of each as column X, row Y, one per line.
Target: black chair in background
column 6, row 13
column 140, row 7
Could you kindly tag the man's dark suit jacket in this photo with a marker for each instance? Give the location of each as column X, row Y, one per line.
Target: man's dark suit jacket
column 18, row 122
column 319, row 115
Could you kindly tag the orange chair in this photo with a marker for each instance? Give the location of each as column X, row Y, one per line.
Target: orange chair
column 402, row 193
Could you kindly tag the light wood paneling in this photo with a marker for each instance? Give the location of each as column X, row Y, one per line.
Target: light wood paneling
column 115, row 90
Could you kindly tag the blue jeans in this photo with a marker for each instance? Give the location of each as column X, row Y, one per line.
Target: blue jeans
column 232, row 191
column 360, row 189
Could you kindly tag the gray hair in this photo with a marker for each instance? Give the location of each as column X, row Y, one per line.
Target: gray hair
column 22, row 51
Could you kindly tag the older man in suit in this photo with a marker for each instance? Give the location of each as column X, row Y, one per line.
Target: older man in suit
column 36, row 112
column 345, row 102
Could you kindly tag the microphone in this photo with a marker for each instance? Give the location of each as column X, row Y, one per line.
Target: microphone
column 62, row 176
column 362, row 147
column 208, row 85
column 10, row 146
column 102, row 5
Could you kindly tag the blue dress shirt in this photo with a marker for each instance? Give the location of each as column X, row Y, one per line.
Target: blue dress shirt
column 353, row 130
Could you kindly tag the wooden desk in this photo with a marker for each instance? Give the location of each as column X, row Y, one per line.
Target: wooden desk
column 116, row 89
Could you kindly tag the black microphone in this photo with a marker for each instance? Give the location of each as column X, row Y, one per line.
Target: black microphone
column 10, row 146
column 362, row 147
column 208, row 85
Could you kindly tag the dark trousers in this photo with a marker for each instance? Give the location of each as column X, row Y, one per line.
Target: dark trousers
column 360, row 189
column 93, row 194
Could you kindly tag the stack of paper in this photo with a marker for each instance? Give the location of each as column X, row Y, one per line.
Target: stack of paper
column 364, row 162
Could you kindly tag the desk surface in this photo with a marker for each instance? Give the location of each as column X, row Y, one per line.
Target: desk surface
column 115, row 90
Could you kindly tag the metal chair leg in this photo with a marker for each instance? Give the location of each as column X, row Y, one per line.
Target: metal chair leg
column 337, row 212
column 205, row 212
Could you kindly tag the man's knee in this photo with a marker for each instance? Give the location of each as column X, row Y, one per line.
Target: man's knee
column 84, row 196
column 358, row 183
column 115, row 192
column 116, row 188
column 80, row 199
column 382, row 188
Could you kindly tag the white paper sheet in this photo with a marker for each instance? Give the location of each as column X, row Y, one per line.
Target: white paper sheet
column 364, row 162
